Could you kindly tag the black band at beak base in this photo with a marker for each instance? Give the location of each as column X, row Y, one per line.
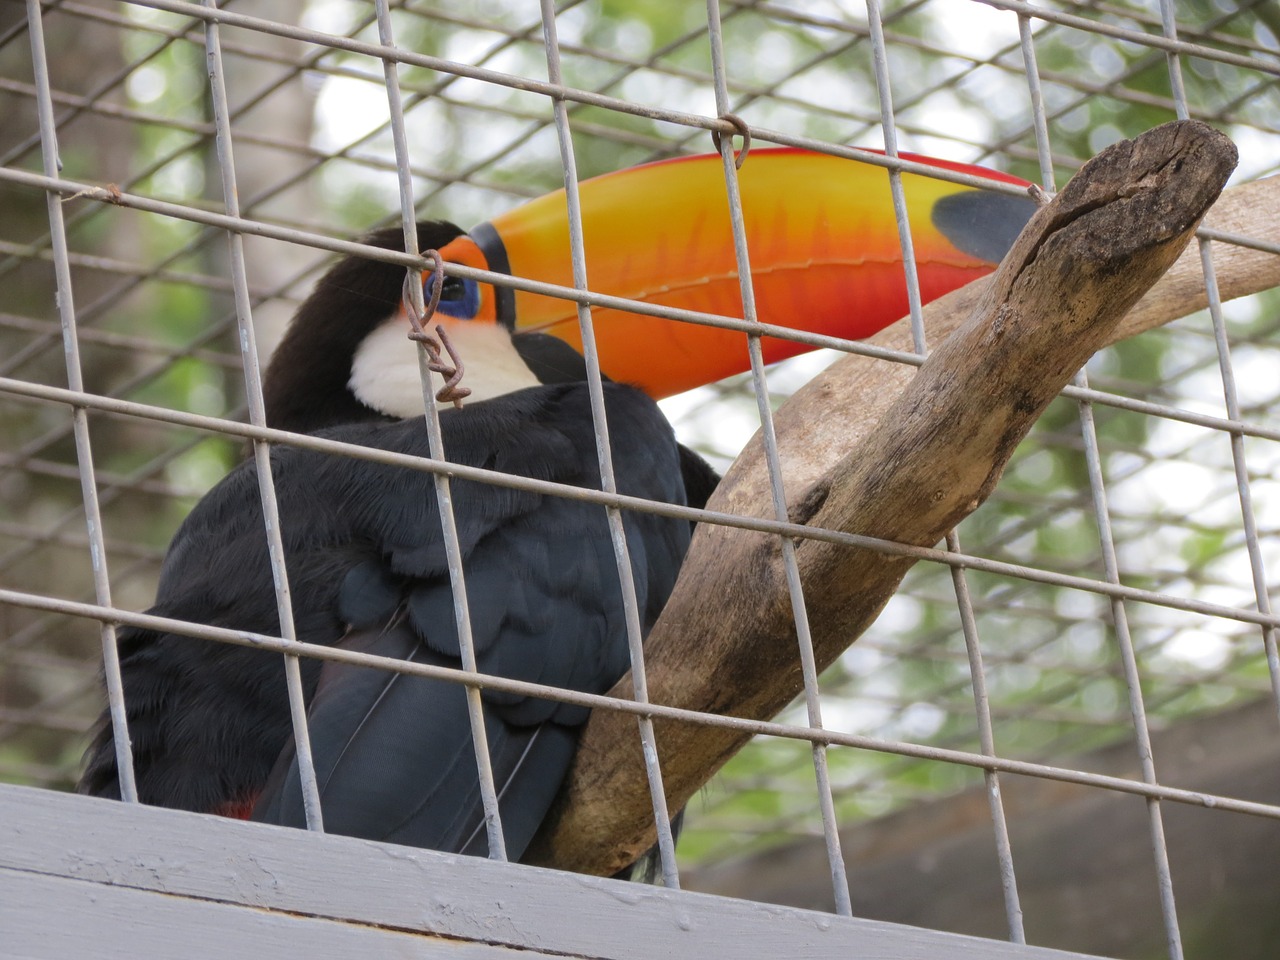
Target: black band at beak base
column 495, row 254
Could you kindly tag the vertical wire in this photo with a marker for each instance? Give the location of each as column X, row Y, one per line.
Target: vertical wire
column 1044, row 154
column 1233, row 403
column 1252, row 545
column 258, row 417
column 1137, row 708
column 1257, row 569
column 799, row 613
column 1129, row 662
column 987, row 741
column 1169, row 22
column 1119, row 615
column 889, row 129
column 80, row 416
column 617, row 530
column 959, row 578
column 1040, row 123
column 1231, row 396
column 435, row 444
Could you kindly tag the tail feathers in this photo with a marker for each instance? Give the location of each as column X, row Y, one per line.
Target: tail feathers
column 394, row 758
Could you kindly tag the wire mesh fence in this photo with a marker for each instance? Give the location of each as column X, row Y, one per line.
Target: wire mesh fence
column 1165, row 482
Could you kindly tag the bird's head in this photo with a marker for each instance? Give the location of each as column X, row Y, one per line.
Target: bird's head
column 347, row 355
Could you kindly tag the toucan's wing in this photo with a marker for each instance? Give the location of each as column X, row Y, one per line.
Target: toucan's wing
column 552, row 360
column 393, row 753
column 362, row 539
column 208, row 720
column 395, row 761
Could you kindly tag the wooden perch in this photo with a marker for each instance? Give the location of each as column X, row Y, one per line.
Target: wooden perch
column 882, row 450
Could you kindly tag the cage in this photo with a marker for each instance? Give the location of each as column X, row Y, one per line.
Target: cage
column 1064, row 739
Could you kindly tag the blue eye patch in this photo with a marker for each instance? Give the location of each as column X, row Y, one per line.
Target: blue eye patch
column 459, row 297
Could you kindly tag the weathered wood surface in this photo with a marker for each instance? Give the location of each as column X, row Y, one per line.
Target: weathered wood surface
column 878, row 449
column 45, row 917
column 87, row 878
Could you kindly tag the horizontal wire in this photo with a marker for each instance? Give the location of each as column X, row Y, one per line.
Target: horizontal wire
column 112, row 265
column 1155, row 40
column 483, row 681
column 128, row 408
column 354, row 248
column 120, row 341
column 662, row 147
column 575, row 94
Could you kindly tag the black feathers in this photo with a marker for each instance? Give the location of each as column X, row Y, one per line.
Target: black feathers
column 305, row 385
column 394, row 754
column 367, row 569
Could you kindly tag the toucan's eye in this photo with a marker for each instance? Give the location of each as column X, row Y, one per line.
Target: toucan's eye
column 459, row 297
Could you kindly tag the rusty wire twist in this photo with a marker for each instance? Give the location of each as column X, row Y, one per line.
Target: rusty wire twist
column 452, row 391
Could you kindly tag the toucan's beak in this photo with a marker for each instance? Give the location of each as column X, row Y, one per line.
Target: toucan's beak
column 823, row 242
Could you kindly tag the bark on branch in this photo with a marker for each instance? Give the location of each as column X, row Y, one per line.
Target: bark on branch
column 880, row 449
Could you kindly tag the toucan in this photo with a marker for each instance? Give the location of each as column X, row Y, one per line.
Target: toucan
column 210, row 723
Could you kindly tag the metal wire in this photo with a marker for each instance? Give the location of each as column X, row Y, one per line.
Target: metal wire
column 969, row 624
column 889, row 547
column 1243, row 483
column 795, row 591
column 597, row 701
column 1133, row 680
column 261, row 450
column 1169, row 44
column 1008, row 599
column 75, row 379
column 617, row 532
column 497, row 845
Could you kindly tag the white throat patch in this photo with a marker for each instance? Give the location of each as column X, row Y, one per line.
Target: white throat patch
column 384, row 371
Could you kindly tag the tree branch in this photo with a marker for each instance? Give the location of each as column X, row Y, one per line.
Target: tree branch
column 882, row 450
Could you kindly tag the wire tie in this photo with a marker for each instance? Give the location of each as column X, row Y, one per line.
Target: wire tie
column 113, row 192
column 1039, row 195
column 740, row 127
column 452, row 391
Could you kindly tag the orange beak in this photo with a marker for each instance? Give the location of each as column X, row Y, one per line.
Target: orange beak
column 823, row 242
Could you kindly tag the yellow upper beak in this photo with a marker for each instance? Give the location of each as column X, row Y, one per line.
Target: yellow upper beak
column 823, row 243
